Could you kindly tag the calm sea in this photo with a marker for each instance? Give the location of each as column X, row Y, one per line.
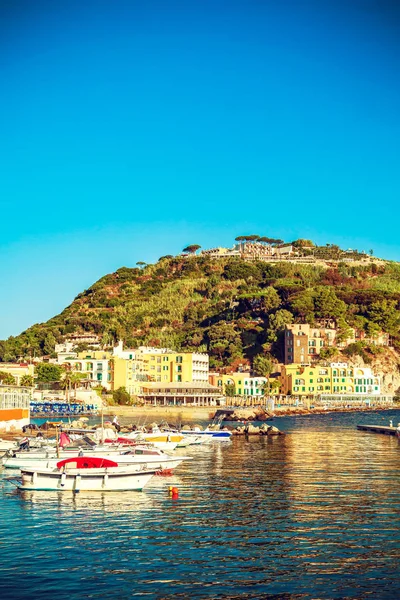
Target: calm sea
column 312, row 514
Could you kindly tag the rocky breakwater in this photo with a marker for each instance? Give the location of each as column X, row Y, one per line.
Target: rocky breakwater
column 250, row 429
column 255, row 413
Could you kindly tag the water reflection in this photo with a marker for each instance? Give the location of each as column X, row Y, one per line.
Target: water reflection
column 312, row 514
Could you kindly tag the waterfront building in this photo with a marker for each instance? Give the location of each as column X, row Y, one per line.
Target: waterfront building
column 176, row 366
column 95, row 365
column 303, row 342
column 245, row 384
column 337, row 378
column 181, row 394
column 127, row 373
column 17, row 370
column 159, row 365
column 14, row 406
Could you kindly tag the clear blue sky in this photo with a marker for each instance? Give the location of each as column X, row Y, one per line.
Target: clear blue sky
column 131, row 129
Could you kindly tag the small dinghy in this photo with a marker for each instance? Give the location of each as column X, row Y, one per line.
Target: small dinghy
column 85, row 473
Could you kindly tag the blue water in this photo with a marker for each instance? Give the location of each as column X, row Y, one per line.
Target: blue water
column 312, row 514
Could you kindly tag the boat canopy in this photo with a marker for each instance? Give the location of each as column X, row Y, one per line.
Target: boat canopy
column 86, row 462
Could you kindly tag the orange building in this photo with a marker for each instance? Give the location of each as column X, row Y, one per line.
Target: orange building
column 14, row 406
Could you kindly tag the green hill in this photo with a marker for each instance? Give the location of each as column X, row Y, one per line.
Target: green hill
column 228, row 307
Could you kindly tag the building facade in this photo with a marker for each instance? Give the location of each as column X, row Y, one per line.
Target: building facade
column 132, row 367
column 14, row 406
column 17, row 370
column 94, row 365
column 303, row 343
column 338, row 378
column 245, row 384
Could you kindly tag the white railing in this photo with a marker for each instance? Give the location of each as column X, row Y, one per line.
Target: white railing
column 11, row 398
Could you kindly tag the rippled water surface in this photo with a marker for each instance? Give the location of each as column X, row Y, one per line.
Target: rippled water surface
column 312, row 514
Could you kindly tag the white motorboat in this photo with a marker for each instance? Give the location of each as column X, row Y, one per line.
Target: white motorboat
column 219, row 435
column 6, row 445
column 152, row 457
column 164, row 440
column 85, row 474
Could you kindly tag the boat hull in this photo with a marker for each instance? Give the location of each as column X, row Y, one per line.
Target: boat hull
column 140, row 461
column 76, row 480
column 211, row 435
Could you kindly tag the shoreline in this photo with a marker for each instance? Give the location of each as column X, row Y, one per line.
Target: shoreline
column 207, row 413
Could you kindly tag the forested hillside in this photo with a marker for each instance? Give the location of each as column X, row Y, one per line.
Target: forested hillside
column 228, row 307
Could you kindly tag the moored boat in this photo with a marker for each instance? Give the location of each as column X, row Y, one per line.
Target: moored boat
column 85, row 474
column 138, row 456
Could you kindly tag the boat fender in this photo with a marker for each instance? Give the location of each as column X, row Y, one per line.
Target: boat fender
column 77, row 483
column 63, row 478
column 105, row 480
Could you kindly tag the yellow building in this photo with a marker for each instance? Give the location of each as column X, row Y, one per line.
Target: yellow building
column 174, row 366
column 17, row 370
column 131, row 367
column 95, row 365
column 126, row 373
column 337, row 378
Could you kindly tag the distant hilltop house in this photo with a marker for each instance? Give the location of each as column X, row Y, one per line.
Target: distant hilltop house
column 76, row 339
column 254, row 247
column 251, row 251
column 303, row 343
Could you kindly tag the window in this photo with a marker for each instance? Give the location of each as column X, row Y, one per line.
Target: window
column 165, row 368
column 99, row 366
column 158, row 359
column 108, row 376
column 178, row 368
column 158, row 369
column 99, row 376
column 179, row 377
column 179, row 359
